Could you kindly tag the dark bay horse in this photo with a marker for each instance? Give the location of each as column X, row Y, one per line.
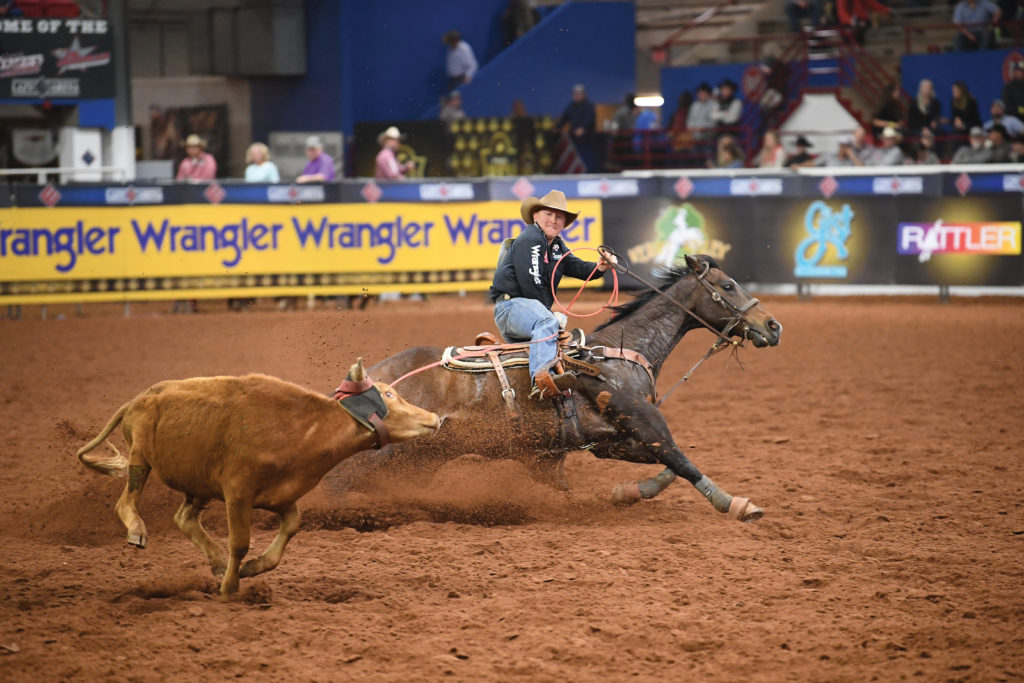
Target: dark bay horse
column 614, row 417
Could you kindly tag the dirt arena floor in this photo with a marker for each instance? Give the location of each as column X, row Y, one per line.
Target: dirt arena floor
column 882, row 437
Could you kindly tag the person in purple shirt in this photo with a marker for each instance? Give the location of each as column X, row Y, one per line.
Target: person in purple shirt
column 320, row 167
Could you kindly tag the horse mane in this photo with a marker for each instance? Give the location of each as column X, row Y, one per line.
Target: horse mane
column 665, row 279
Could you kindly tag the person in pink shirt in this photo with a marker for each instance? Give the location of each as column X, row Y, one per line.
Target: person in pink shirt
column 388, row 167
column 197, row 164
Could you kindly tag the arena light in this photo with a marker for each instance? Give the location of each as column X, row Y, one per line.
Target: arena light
column 649, row 100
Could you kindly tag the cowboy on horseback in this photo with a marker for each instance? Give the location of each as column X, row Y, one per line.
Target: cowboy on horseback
column 522, row 289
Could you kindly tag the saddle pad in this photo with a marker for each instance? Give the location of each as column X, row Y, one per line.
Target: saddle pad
column 515, row 357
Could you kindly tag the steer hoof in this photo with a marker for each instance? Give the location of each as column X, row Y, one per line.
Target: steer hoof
column 626, row 494
column 137, row 540
column 743, row 510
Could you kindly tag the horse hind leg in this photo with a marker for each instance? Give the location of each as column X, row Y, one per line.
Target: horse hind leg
column 735, row 506
column 189, row 520
column 645, row 489
column 271, row 557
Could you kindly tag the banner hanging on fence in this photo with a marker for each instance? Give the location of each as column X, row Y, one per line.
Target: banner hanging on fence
column 191, row 240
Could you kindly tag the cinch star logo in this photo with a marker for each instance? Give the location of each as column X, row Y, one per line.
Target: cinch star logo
column 78, row 58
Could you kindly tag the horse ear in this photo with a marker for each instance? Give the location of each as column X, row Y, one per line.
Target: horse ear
column 692, row 263
column 357, row 373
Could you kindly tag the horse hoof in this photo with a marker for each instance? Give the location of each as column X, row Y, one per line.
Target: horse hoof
column 626, row 494
column 137, row 540
column 743, row 510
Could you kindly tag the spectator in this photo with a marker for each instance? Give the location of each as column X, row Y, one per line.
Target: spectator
column 729, row 153
column 320, row 167
column 579, row 114
column 625, row 115
column 452, row 109
column 518, row 18
column 889, row 153
column 924, row 150
column 260, row 168
column 678, row 131
column 797, row 10
column 1017, row 150
column 197, row 164
column 387, row 167
column 728, row 108
column 857, row 14
column 892, row 113
column 1012, row 124
column 802, row 156
column 461, row 63
column 776, row 84
column 975, row 152
column 999, row 144
column 773, row 154
column 974, row 20
column 964, row 110
column 843, row 156
column 646, row 120
column 699, row 121
column 925, row 110
column 1013, row 91
column 861, row 147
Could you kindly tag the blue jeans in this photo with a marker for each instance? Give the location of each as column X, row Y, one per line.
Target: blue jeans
column 518, row 319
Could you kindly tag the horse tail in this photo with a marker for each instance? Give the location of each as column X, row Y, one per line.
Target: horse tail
column 113, row 465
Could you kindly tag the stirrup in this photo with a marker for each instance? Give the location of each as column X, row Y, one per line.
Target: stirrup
column 547, row 385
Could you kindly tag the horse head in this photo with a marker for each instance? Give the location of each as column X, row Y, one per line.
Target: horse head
column 726, row 306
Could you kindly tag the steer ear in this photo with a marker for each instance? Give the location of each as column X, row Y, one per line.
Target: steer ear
column 357, row 373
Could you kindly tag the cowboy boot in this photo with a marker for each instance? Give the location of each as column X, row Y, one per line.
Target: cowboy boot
column 549, row 385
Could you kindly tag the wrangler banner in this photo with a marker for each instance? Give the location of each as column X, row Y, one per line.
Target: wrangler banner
column 75, row 254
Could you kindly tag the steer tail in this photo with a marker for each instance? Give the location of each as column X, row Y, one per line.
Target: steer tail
column 114, row 465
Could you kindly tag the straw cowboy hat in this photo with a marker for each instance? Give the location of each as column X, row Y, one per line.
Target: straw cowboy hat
column 195, row 141
column 554, row 200
column 391, row 132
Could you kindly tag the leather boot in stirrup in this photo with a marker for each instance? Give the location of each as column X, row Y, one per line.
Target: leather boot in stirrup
column 549, row 385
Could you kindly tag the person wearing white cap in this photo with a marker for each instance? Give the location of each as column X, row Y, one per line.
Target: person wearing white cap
column 522, row 286
column 889, row 153
column 387, row 166
column 320, row 167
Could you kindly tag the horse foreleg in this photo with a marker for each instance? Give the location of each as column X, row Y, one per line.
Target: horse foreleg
column 645, row 489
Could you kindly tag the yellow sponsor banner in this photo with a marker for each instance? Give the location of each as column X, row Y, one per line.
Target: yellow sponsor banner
column 186, row 241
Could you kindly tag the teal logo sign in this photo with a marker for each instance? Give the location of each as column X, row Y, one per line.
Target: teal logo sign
column 827, row 232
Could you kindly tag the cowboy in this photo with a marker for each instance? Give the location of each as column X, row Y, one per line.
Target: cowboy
column 386, row 165
column 522, row 286
column 197, row 164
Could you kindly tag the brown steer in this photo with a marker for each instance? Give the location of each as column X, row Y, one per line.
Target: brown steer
column 252, row 441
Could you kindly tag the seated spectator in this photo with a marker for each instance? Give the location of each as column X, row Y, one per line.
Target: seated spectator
column 889, row 153
column 1012, row 124
column 729, row 153
column 797, row 10
column 625, row 115
column 802, row 156
column 964, row 110
column 974, row 21
column 861, row 147
column 773, row 154
column 857, row 15
column 842, row 157
column 893, row 111
column 925, row 110
column 975, row 152
column 728, row 107
column 1017, row 150
column 260, row 168
column 999, row 144
column 387, row 166
column 198, row 165
column 1013, row 91
column 924, row 151
column 320, row 166
column 452, row 110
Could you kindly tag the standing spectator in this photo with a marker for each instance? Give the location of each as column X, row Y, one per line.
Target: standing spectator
column 452, row 109
column 461, row 63
column 197, row 165
column 889, row 153
column 862, row 147
column 387, row 167
column 893, row 111
column 678, row 132
column 924, row 150
column 974, row 20
column 646, row 120
column 700, row 123
column 773, row 154
column 625, row 115
column 728, row 108
column 803, row 9
column 856, row 14
column 999, row 144
column 965, row 109
column 802, row 156
column 518, row 18
column 579, row 113
column 776, row 84
column 320, row 167
column 975, row 152
column 925, row 110
column 1013, row 91
column 1012, row 124
column 260, row 168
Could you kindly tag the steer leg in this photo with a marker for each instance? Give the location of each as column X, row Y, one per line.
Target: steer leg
column 127, row 506
column 272, row 555
column 239, row 516
column 189, row 519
